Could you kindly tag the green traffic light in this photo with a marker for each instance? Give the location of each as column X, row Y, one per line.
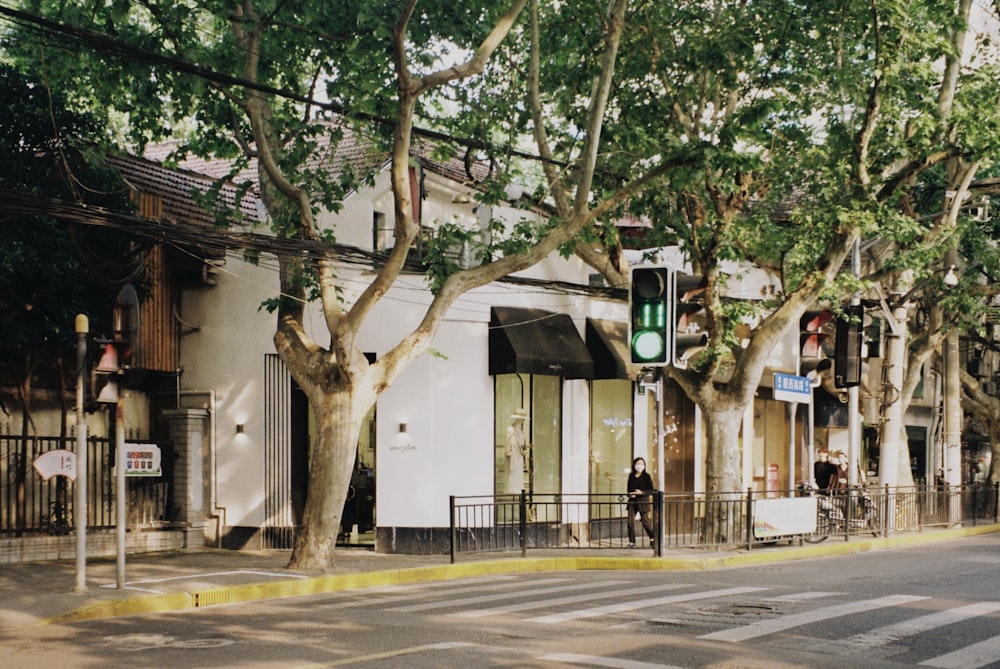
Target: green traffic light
column 648, row 345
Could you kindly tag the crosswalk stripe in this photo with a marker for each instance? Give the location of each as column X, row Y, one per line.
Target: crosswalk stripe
column 598, row 661
column 802, row 596
column 971, row 657
column 389, row 654
column 527, row 606
column 764, row 627
column 891, row 633
column 639, row 604
column 430, row 589
column 504, row 595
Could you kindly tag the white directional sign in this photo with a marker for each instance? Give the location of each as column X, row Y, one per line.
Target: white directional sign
column 56, row 463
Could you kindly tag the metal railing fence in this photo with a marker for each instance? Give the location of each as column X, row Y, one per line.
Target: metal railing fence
column 519, row 522
column 30, row 505
column 507, row 523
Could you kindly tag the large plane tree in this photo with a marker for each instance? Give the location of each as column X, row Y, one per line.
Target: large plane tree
column 793, row 134
column 248, row 75
column 753, row 132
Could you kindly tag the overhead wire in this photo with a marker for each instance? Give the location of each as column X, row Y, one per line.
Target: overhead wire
column 105, row 44
column 219, row 243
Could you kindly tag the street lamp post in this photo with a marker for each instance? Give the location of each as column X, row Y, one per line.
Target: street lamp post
column 82, row 327
column 853, row 393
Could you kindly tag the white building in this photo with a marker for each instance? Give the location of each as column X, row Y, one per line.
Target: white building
column 546, row 341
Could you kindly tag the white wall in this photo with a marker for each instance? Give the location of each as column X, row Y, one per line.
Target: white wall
column 227, row 354
column 445, row 399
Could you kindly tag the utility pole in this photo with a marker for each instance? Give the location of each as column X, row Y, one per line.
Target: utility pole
column 121, row 503
column 82, row 327
column 952, row 424
column 952, row 407
column 853, row 393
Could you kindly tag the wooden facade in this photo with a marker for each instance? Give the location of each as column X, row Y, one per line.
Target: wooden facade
column 158, row 347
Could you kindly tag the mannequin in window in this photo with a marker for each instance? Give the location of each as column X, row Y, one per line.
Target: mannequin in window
column 515, row 451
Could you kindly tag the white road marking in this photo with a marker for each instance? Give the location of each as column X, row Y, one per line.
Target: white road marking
column 802, row 596
column 357, row 659
column 765, row 627
column 891, row 633
column 505, row 595
column 638, row 604
column 977, row 655
column 432, row 589
column 598, row 661
column 132, row 585
column 527, row 606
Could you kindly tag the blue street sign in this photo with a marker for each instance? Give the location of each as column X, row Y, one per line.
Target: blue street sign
column 792, row 388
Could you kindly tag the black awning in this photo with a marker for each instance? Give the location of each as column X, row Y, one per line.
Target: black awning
column 607, row 342
column 535, row 341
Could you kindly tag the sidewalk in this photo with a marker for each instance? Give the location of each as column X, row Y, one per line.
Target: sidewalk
column 44, row 592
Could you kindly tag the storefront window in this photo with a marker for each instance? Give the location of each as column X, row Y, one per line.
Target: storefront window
column 610, row 439
column 540, row 398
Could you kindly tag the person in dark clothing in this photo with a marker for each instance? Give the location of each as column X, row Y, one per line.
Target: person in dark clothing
column 639, row 485
column 824, row 471
column 840, row 479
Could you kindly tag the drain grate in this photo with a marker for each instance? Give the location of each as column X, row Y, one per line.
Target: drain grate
column 210, row 597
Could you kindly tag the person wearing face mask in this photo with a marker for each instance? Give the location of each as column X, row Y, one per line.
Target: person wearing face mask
column 639, row 485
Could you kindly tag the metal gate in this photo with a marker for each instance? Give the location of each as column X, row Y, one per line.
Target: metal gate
column 278, row 530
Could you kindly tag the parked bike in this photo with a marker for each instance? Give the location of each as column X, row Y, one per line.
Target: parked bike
column 851, row 512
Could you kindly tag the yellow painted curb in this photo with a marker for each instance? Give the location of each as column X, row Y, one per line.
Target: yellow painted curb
column 249, row 592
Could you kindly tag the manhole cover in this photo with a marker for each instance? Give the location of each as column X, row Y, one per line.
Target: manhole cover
column 738, row 609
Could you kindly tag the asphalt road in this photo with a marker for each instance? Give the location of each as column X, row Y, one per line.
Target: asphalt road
column 936, row 605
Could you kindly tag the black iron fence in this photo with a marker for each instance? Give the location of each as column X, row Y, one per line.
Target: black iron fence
column 505, row 523
column 520, row 522
column 31, row 505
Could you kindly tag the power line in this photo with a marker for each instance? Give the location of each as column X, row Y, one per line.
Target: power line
column 109, row 45
column 214, row 241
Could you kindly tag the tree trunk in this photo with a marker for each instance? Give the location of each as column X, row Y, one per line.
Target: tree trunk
column 21, row 468
column 994, row 474
column 331, row 463
column 893, row 449
column 723, row 519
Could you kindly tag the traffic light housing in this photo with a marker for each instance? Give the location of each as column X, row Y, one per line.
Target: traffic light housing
column 812, row 334
column 689, row 324
column 649, row 317
column 108, row 373
column 847, row 355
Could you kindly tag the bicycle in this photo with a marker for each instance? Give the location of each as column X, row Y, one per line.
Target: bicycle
column 861, row 514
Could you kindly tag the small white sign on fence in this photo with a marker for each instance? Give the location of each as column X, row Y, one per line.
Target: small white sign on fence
column 59, row 462
column 785, row 516
column 142, row 460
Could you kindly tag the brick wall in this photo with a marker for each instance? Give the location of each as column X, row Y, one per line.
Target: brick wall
column 100, row 544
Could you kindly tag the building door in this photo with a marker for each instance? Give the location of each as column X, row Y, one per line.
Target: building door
column 610, row 437
column 278, row 531
column 289, row 433
column 679, row 428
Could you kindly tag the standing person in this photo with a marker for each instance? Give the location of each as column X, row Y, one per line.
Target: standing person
column 823, row 471
column 841, row 473
column 515, row 450
column 639, row 485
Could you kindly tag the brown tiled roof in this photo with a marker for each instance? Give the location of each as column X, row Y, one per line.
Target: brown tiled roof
column 353, row 152
column 175, row 187
column 172, row 187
